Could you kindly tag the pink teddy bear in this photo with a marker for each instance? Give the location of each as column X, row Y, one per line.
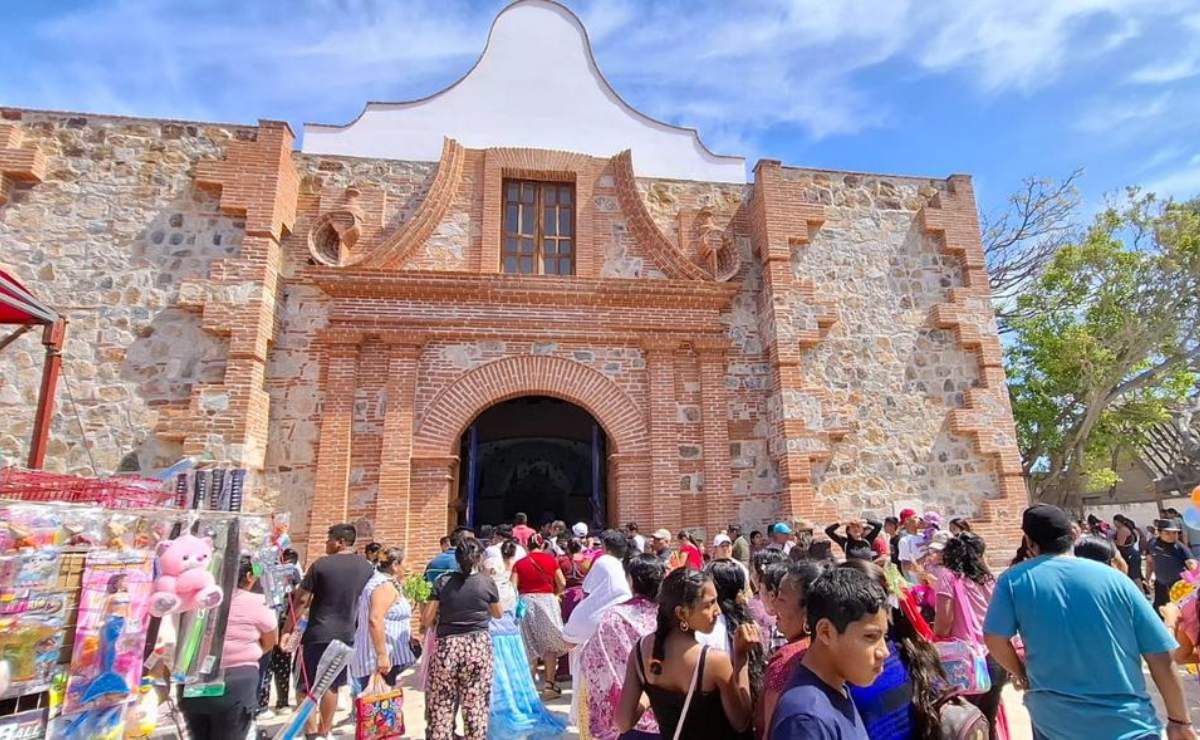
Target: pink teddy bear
column 184, row 582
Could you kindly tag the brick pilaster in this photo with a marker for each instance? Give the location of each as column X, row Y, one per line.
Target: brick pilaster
column 18, row 162
column 664, row 432
column 429, row 505
column 393, row 502
column 332, row 483
column 718, row 498
column 792, row 320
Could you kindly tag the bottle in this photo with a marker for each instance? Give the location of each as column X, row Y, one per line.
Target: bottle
column 292, row 642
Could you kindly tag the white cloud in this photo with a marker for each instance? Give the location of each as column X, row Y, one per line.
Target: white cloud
column 1184, row 65
column 732, row 70
column 1181, row 183
column 1109, row 115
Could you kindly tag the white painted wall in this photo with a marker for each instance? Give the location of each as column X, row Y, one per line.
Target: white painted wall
column 536, row 85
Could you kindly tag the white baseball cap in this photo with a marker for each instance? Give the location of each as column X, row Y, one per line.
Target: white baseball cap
column 579, row 530
column 721, row 539
column 662, row 534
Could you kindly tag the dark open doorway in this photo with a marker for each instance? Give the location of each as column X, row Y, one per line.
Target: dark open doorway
column 537, row 455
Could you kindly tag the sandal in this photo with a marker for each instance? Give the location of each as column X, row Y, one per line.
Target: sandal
column 552, row 689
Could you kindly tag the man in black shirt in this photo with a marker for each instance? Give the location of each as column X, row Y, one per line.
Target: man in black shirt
column 329, row 592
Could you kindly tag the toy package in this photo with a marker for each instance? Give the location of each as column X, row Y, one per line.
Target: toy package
column 31, row 632
column 114, row 608
column 202, row 632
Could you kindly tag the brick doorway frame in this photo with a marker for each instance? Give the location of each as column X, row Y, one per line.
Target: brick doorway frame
column 441, row 424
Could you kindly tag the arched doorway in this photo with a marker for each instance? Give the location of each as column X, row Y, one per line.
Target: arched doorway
column 535, row 454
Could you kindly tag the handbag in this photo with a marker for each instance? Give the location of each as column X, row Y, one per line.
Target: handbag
column 379, row 711
column 964, row 661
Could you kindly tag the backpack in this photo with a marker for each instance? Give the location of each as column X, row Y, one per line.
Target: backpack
column 958, row 719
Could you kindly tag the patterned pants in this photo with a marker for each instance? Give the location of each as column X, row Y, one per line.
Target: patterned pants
column 460, row 675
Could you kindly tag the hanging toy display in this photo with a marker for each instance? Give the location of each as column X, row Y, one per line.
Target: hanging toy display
column 142, row 718
column 111, row 629
column 184, row 583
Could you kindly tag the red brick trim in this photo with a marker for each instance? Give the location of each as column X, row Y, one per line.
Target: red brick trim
column 256, row 180
column 18, row 162
column 396, row 247
column 442, row 422
column 781, row 220
column 986, row 416
column 539, row 164
column 665, row 254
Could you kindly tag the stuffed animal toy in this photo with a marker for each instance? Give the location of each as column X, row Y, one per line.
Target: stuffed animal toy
column 184, row 582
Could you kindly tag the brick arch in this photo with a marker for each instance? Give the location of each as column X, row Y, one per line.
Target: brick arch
column 452, row 410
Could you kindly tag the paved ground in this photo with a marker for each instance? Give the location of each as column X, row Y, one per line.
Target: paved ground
column 414, row 711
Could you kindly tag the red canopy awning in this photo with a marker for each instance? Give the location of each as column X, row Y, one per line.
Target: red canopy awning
column 19, row 306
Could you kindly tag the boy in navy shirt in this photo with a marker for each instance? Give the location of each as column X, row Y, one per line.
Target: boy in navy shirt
column 847, row 618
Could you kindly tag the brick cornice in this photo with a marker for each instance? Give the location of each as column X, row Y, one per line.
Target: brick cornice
column 19, row 162
column 541, row 290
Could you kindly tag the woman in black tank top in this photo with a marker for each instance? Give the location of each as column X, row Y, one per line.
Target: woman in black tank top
column 669, row 665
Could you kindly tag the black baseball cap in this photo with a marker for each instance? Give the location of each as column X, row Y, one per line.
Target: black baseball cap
column 1048, row 527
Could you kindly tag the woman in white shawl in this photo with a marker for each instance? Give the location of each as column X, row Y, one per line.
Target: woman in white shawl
column 604, row 587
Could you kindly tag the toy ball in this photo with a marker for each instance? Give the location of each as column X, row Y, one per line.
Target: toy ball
column 1191, row 517
column 1196, row 496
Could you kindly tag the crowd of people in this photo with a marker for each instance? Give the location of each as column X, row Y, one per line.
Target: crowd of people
column 784, row 634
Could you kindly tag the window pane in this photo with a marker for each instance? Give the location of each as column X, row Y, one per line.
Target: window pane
column 564, row 221
column 527, row 265
column 510, row 218
column 527, row 193
column 510, row 264
column 526, row 246
column 564, row 246
column 510, row 245
column 527, row 220
column 548, row 195
column 564, row 266
column 548, row 266
column 513, row 190
column 564, row 195
column 548, row 225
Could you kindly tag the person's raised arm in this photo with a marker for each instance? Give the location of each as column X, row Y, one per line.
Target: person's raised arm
column 630, row 706
column 873, row 530
column 832, row 532
column 1179, row 721
column 733, row 677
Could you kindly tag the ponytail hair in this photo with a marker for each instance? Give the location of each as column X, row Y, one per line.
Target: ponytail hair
column 508, row 548
column 681, row 588
column 730, row 581
column 468, row 554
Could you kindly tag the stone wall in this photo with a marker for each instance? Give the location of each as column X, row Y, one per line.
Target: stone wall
column 889, row 371
column 106, row 238
column 853, row 366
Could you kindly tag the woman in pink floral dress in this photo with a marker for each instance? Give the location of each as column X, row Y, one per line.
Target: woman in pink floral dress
column 605, row 655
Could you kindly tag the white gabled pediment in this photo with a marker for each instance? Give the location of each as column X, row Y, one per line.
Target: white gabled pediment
column 535, row 85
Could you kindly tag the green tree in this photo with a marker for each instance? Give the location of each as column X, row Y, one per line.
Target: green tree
column 1104, row 342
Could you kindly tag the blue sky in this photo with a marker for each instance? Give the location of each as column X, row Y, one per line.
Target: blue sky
column 999, row 89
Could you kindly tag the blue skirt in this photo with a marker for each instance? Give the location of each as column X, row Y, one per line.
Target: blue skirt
column 517, row 710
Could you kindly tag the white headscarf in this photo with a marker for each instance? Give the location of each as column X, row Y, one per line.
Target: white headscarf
column 604, row 586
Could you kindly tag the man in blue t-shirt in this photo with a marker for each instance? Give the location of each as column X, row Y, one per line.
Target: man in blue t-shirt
column 1086, row 630
column 445, row 562
column 848, row 621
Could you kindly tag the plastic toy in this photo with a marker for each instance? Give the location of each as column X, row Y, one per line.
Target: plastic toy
column 186, row 583
column 333, row 660
column 143, row 714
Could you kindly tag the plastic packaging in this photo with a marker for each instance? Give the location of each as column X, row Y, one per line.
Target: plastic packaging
column 110, row 632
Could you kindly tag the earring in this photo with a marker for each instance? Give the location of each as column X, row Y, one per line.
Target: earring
column 683, row 625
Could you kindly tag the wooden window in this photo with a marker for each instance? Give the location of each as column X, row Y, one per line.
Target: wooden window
column 539, row 228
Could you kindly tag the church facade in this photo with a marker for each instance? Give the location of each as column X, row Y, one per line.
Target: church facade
column 456, row 300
